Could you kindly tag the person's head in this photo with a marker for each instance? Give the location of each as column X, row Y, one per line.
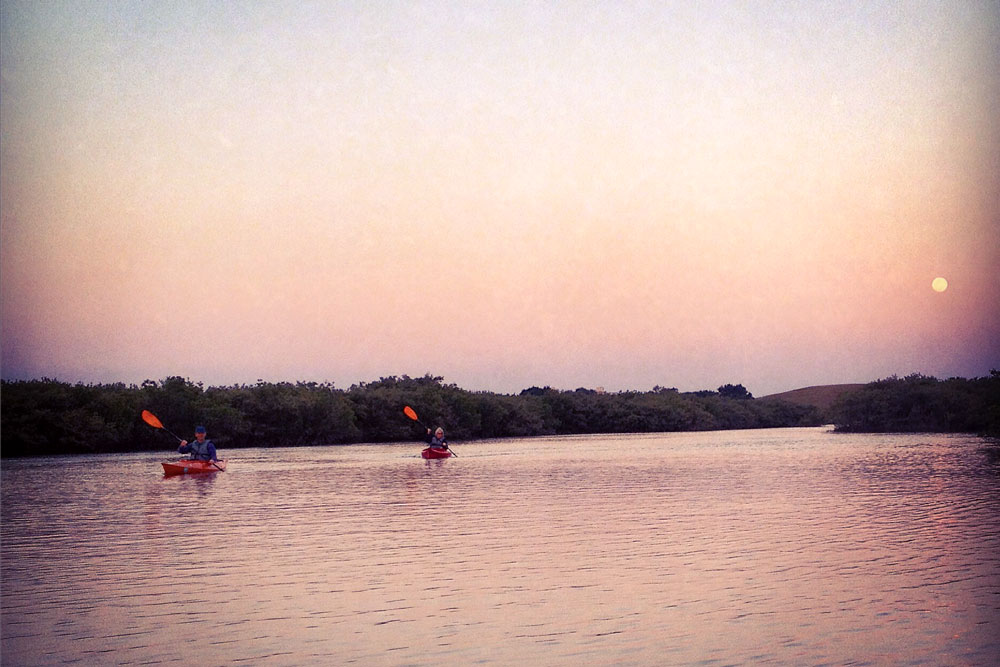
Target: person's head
column 439, row 432
column 199, row 432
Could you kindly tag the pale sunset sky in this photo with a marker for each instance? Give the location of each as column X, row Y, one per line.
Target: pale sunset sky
column 574, row 194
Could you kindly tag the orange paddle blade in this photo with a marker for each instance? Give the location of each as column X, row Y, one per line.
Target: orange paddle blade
column 151, row 419
column 409, row 413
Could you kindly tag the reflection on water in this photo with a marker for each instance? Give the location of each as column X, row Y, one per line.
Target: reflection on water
column 784, row 546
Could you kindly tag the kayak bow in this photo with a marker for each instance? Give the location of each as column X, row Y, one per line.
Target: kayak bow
column 431, row 453
column 186, row 466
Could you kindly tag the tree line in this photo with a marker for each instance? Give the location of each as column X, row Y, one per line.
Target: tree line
column 47, row 416
column 40, row 417
column 918, row 403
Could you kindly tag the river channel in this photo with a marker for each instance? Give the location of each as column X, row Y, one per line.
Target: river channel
column 784, row 546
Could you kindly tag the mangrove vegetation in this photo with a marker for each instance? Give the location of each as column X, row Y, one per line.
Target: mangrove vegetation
column 51, row 417
column 918, row 403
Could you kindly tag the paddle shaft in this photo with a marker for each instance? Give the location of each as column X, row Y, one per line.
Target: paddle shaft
column 179, row 438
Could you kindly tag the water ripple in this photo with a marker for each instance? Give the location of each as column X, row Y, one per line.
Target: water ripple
column 782, row 547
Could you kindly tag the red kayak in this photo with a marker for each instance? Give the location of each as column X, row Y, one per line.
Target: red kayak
column 432, row 453
column 186, row 466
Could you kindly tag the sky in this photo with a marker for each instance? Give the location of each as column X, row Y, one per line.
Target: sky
column 614, row 194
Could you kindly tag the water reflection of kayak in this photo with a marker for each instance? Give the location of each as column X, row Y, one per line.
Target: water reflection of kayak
column 190, row 467
column 431, row 453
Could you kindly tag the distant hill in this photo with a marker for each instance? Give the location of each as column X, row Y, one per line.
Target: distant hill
column 822, row 397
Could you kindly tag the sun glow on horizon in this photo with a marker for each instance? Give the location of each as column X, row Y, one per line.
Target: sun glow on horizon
column 624, row 195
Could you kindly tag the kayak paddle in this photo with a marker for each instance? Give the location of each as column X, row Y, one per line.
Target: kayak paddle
column 153, row 421
column 412, row 414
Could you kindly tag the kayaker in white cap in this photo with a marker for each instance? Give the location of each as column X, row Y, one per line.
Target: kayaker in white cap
column 201, row 449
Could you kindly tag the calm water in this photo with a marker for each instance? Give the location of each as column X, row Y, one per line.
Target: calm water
column 782, row 546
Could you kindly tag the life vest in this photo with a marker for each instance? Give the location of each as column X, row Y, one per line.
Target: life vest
column 199, row 450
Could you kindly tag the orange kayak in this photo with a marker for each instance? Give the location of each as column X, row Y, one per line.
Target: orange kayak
column 431, row 453
column 186, row 466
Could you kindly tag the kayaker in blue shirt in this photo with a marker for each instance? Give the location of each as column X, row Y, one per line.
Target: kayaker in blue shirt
column 201, row 449
column 437, row 441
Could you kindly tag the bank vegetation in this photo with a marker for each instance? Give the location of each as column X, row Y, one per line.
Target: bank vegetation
column 41, row 417
column 51, row 417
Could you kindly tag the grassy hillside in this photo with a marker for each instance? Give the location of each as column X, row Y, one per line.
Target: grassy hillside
column 821, row 397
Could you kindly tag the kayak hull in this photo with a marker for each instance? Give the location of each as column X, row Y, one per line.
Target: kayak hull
column 430, row 453
column 187, row 467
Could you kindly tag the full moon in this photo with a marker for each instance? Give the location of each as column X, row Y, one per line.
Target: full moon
column 939, row 284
